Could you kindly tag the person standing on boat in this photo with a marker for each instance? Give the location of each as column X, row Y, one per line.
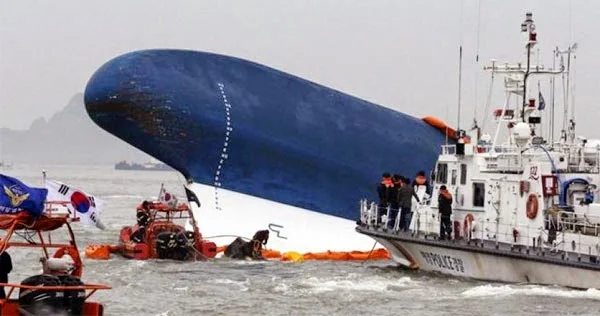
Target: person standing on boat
column 405, row 195
column 421, row 179
column 394, row 203
column 5, row 268
column 142, row 217
column 384, row 191
column 445, row 209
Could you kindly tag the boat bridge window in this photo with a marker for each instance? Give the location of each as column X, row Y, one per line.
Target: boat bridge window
column 442, row 173
column 463, row 174
column 453, row 179
column 478, row 194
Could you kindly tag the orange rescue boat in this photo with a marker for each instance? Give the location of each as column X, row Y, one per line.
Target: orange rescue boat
column 59, row 290
column 160, row 234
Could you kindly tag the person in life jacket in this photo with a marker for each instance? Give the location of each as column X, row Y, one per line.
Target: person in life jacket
column 405, row 195
column 445, row 209
column 143, row 218
column 385, row 193
column 421, row 179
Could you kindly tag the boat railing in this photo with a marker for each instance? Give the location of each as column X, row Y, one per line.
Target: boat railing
column 448, row 149
column 559, row 232
column 485, row 148
column 503, row 163
column 89, row 288
column 573, row 222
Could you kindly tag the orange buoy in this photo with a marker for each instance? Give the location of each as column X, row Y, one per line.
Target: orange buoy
column 532, row 206
column 378, row 254
column 100, row 252
column 221, row 249
column 271, row 254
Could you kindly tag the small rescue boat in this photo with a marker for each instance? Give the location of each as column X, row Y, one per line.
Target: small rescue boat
column 59, row 289
column 160, row 234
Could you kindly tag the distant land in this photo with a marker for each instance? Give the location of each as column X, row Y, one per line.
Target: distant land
column 68, row 137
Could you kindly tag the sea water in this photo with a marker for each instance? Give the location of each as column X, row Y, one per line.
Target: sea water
column 219, row 287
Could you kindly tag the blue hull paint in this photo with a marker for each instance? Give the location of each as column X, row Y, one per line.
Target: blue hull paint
column 289, row 140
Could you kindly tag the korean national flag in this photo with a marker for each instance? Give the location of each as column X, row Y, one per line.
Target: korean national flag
column 86, row 206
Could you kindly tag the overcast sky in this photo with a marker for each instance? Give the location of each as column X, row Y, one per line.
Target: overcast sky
column 401, row 54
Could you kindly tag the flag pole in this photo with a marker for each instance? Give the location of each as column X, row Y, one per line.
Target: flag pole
column 161, row 191
column 44, row 184
column 540, row 103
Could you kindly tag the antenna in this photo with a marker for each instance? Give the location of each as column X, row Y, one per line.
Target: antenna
column 566, row 87
column 459, row 86
column 529, row 28
column 573, row 48
column 552, row 102
column 476, row 94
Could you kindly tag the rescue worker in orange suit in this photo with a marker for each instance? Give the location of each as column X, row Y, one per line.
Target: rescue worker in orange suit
column 421, row 179
column 143, row 218
column 405, row 195
column 384, row 191
column 445, row 209
column 5, row 268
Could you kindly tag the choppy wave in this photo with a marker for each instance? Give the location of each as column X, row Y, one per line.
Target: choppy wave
column 516, row 290
column 240, row 285
column 222, row 287
column 350, row 283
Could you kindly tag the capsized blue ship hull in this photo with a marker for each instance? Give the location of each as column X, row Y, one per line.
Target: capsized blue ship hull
column 248, row 128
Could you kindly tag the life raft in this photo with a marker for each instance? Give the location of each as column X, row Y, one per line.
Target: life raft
column 100, row 252
column 532, row 206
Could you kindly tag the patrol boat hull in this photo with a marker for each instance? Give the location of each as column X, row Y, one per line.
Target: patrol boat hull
column 244, row 134
column 488, row 263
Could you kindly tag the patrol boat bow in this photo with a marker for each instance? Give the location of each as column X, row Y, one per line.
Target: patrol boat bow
column 524, row 211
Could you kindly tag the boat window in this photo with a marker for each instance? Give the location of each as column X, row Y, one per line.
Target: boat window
column 442, row 173
column 463, row 174
column 478, row 194
column 453, row 177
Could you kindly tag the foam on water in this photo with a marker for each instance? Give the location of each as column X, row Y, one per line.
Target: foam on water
column 240, row 285
column 516, row 290
column 375, row 284
column 350, row 283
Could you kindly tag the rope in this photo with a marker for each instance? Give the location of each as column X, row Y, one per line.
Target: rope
column 370, row 252
column 200, row 253
column 196, row 250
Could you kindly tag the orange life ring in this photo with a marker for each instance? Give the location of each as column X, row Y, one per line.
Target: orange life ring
column 532, row 206
column 71, row 251
column 467, row 226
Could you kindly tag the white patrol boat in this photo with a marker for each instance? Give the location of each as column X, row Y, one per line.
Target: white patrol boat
column 525, row 209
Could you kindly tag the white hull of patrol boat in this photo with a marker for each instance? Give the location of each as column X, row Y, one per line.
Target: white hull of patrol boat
column 291, row 228
column 512, row 267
